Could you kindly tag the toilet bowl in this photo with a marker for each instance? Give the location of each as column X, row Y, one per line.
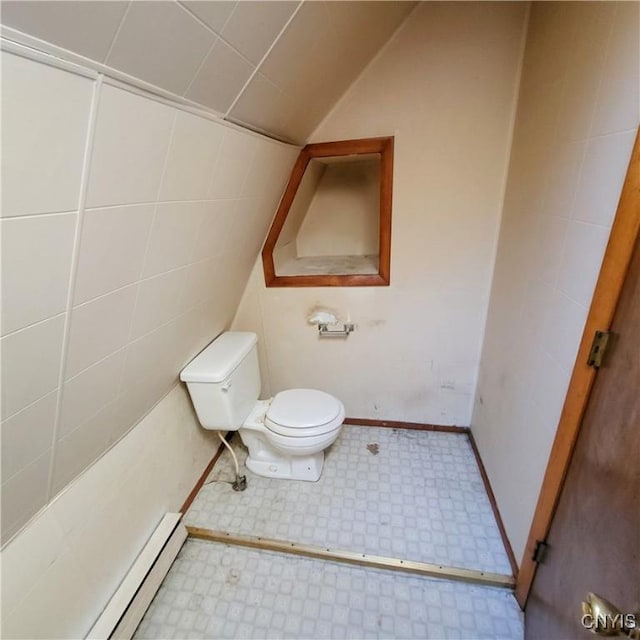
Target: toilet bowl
column 287, row 435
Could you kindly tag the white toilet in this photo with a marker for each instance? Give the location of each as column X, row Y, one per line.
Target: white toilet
column 287, row 435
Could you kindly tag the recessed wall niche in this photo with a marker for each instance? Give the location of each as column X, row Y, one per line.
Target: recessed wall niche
column 333, row 225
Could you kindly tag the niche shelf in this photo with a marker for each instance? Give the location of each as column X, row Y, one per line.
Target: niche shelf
column 333, row 224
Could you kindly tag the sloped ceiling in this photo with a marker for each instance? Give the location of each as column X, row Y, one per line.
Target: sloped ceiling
column 277, row 67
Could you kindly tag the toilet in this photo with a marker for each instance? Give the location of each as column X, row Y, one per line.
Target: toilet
column 286, row 435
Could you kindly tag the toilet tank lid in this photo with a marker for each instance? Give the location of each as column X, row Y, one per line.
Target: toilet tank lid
column 220, row 358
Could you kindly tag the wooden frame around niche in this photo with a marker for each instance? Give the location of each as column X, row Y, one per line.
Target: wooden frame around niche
column 364, row 146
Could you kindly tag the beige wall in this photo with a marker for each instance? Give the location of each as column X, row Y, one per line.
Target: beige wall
column 286, row 248
column 60, row 572
column 445, row 86
column 343, row 217
column 576, row 122
column 129, row 229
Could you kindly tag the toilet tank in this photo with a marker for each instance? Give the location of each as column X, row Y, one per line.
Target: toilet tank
column 224, row 380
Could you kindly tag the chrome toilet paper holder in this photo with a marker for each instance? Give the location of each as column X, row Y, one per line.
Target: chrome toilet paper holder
column 325, row 332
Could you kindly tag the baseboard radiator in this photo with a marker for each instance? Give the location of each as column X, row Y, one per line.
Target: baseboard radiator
column 126, row 608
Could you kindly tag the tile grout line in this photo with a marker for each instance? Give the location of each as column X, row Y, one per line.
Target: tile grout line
column 123, row 347
column 118, row 289
column 204, row 59
column 576, row 189
column 31, row 325
column 122, row 205
column 82, row 198
column 554, row 284
column 44, row 214
column 214, row 168
column 607, row 53
column 146, row 255
column 264, row 57
column 117, row 31
column 216, row 35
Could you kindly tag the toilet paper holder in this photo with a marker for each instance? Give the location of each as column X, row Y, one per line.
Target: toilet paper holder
column 325, row 332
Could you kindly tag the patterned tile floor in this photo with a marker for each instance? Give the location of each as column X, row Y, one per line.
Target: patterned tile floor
column 420, row 497
column 219, row 591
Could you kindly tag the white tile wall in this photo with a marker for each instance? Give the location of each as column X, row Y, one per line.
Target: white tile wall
column 604, row 167
column 213, row 230
column 27, row 435
column 562, row 182
column 198, row 283
column 79, row 448
column 158, row 302
column 174, row 235
column 36, row 254
column 138, row 265
column 99, row 327
column 30, row 364
column 42, row 172
column 87, row 392
column 549, row 241
column 232, row 166
column 577, row 117
column 58, row 574
column 129, row 150
column 583, row 250
column 192, row 156
column 112, row 249
column 24, row 494
column 617, row 107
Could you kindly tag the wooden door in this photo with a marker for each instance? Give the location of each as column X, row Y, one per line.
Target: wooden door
column 594, row 539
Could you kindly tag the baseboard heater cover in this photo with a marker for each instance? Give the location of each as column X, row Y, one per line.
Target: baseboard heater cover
column 125, row 610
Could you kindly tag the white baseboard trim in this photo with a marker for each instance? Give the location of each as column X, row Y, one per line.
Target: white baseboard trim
column 126, row 608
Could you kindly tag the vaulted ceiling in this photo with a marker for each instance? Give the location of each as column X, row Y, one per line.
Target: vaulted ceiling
column 277, row 67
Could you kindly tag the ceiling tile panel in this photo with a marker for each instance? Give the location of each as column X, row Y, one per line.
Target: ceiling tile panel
column 220, row 78
column 214, row 13
column 364, row 26
column 297, row 56
column 254, row 26
column 86, row 28
column 275, row 107
column 322, row 51
column 161, row 43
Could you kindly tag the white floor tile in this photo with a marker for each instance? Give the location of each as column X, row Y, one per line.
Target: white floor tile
column 220, row 591
column 421, row 497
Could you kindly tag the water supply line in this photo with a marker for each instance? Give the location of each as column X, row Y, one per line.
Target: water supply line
column 240, row 483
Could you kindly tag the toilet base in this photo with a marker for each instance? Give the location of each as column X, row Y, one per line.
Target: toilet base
column 295, row 468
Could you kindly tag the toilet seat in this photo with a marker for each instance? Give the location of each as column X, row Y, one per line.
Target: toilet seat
column 304, row 413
